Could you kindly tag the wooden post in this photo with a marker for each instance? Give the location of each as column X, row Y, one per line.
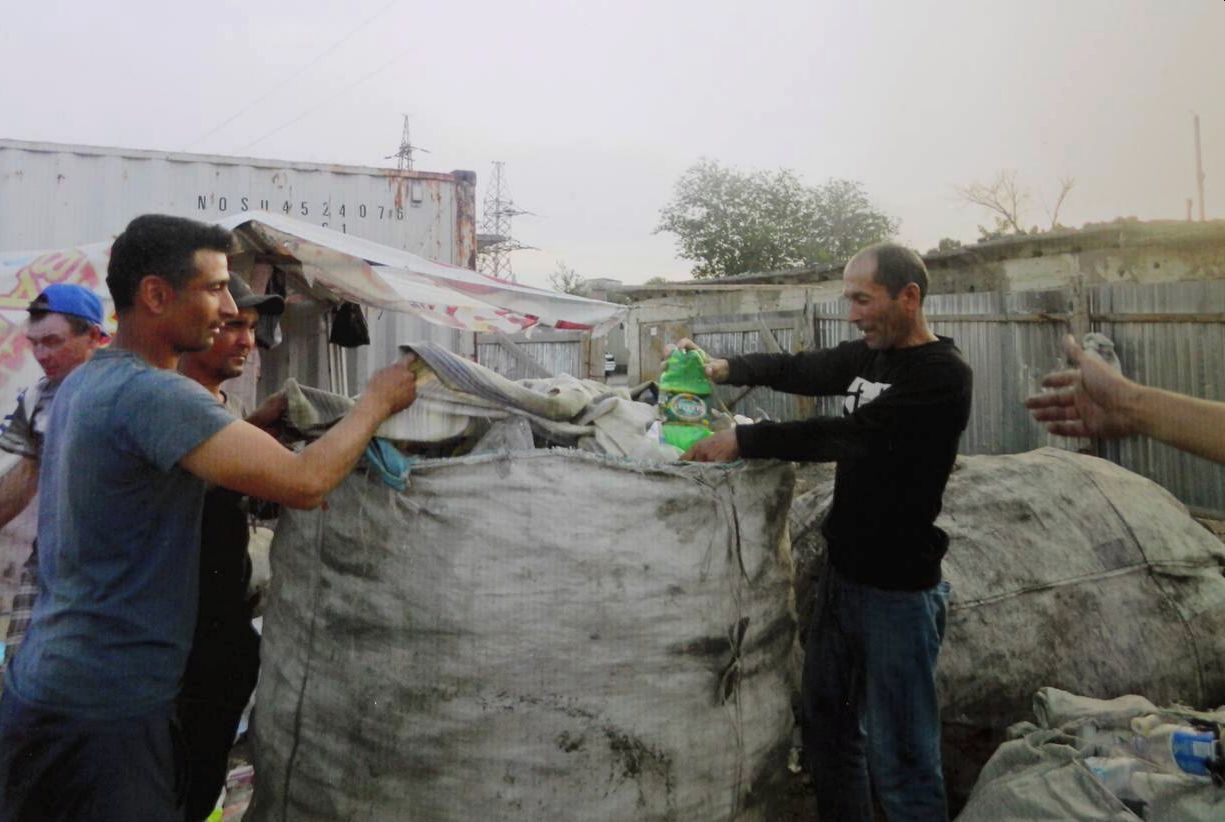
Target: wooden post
column 533, row 367
column 1199, row 171
column 1079, row 319
column 654, row 337
column 767, row 336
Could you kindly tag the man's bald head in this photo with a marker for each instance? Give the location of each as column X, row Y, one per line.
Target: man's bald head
column 896, row 267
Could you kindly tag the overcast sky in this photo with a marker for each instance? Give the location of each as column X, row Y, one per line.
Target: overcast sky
column 598, row 107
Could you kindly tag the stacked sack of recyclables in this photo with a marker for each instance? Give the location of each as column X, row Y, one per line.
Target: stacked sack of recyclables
column 524, row 633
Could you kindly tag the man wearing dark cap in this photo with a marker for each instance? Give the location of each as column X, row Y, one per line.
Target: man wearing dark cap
column 64, row 330
column 223, row 665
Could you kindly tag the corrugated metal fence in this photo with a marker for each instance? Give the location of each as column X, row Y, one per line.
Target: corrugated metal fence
column 545, row 353
column 1172, row 337
column 1168, row 335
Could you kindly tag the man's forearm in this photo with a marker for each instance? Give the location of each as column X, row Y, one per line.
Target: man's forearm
column 17, row 487
column 243, row 458
column 819, row 439
column 1187, row 423
column 330, row 458
column 808, row 373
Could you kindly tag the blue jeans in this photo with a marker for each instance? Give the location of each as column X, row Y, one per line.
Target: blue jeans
column 871, row 721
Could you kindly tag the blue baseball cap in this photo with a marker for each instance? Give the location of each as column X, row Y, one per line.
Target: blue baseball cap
column 65, row 298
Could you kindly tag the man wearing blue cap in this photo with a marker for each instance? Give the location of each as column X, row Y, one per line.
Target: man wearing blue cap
column 65, row 329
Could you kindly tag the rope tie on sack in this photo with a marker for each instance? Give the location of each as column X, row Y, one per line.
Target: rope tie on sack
column 729, row 680
column 725, row 501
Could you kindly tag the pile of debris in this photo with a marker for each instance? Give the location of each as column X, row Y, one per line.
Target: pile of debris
column 1123, row 758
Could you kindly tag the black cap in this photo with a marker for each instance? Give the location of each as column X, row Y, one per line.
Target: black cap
column 244, row 297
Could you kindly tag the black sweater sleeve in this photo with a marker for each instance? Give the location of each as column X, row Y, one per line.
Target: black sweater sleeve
column 808, row 373
column 929, row 400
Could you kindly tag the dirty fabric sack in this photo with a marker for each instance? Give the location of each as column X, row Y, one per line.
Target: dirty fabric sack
column 1050, row 769
column 544, row 635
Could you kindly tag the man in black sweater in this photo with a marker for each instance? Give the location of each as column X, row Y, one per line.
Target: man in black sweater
column 870, row 716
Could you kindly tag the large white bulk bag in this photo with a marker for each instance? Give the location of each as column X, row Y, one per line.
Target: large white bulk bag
column 546, row 635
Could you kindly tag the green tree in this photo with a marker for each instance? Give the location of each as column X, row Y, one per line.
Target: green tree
column 732, row 222
column 844, row 222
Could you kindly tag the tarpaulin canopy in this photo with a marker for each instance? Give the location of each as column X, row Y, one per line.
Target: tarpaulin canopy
column 378, row 275
column 346, row 266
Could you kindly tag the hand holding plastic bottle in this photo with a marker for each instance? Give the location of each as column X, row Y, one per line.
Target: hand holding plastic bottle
column 719, row 447
column 716, row 369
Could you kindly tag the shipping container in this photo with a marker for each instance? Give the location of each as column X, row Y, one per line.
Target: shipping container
column 54, row 196
column 59, row 196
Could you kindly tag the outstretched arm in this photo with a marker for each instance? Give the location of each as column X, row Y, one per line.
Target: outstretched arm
column 817, row 373
column 1094, row 400
column 244, row 458
column 17, row 488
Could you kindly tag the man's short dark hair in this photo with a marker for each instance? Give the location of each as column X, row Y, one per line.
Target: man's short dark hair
column 161, row 246
column 78, row 325
column 897, row 267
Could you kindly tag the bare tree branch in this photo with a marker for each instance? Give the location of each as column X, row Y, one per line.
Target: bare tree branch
column 1002, row 196
column 1065, row 186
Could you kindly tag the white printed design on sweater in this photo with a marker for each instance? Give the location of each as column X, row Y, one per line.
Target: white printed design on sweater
column 861, row 392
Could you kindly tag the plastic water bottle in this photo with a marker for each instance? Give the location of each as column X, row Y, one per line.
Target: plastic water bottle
column 1102, row 742
column 1176, row 748
column 1116, row 772
column 684, row 399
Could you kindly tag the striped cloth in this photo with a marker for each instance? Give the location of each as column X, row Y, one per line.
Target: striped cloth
column 23, row 605
column 24, row 429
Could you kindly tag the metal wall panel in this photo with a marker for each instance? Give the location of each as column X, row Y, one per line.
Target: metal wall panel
column 53, row 196
column 559, row 357
column 1187, row 357
column 762, row 402
column 830, row 328
column 1008, row 357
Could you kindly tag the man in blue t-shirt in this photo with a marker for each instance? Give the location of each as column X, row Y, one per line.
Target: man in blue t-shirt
column 86, row 718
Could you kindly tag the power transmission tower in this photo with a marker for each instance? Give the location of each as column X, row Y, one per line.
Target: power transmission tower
column 404, row 155
column 494, row 243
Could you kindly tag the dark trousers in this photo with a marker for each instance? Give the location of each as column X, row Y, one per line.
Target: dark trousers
column 221, row 674
column 871, row 720
column 59, row 768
